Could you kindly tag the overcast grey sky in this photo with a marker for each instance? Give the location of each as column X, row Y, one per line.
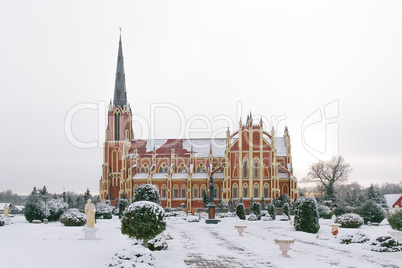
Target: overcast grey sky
column 329, row 70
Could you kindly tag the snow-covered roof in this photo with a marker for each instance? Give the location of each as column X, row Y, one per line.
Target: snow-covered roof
column 140, row 176
column 160, row 176
column 283, row 175
column 218, row 175
column 182, row 147
column 179, row 175
column 280, row 146
column 203, row 175
column 392, row 198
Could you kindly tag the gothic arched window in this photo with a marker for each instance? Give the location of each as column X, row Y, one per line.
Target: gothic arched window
column 245, row 168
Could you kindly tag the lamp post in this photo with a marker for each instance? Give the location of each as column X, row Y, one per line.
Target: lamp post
column 211, row 206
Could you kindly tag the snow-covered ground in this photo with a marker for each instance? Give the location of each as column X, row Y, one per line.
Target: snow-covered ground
column 193, row 245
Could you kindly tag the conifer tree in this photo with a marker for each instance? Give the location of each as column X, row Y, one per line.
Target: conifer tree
column 230, row 205
column 306, row 215
column 240, row 211
column 34, row 207
column 272, row 211
column 256, row 210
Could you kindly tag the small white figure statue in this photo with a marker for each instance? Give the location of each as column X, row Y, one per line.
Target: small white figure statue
column 6, row 210
column 90, row 212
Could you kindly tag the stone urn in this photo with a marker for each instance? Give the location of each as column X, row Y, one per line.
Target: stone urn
column 335, row 227
column 240, row 229
column 284, row 246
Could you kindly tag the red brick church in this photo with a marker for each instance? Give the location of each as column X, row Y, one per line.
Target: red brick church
column 249, row 163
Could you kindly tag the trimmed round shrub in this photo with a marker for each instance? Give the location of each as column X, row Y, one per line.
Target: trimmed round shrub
column 2, row 221
column 386, row 244
column 240, row 211
column 73, row 217
column 372, row 212
column 324, row 212
column 350, row 220
column 256, row 210
column 395, row 219
column 147, row 192
column 306, row 215
column 143, row 220
column 354, row 238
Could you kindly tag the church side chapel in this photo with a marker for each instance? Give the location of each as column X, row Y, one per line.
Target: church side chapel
column 249, row 163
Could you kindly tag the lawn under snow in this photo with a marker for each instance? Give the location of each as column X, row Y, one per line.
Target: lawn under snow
column 193, row 245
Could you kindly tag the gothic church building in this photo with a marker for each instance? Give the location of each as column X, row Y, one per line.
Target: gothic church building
column 249, row 163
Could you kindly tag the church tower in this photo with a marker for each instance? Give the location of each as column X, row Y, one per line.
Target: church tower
column 119, row 134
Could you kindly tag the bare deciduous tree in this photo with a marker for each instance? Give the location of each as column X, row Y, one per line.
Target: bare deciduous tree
column 328, row 173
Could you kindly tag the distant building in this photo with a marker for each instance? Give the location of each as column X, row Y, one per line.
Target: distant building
column 394, row 200
column 13, row 209
column 249, row 163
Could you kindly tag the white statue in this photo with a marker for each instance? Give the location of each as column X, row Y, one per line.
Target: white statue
column 90, row 212
column 6, row 210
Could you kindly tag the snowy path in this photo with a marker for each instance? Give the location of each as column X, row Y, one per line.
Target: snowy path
column 194, row 245
column 203, row 245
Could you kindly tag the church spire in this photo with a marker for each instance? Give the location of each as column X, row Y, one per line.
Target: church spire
column 120, row 94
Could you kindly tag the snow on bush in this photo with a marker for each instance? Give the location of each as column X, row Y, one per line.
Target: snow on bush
column 395, row 219
column 284, row 217
column 157, row 243
column 132, row 257
column 54, row 209
column 2, row 221
column 306, row 215
column 386, row 244
column 104, row 210
column 252, row 217
column 266, row 218
column 256, row 210
column 359, row 238
column 324, row 212
column 147, row 192
column 193, row 219
column 350, row 220
column 225, row 215
column 143, row 220
column 73, row 217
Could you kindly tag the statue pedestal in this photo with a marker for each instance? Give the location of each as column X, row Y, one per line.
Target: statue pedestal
column 90, row 233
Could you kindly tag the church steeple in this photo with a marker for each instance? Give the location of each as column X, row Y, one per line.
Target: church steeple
column 120, row 94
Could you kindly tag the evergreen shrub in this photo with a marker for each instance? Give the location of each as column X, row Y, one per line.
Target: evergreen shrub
column 143, row 220
column 2, row 221
column 359, row 238
column 73, row 217
column 324, row 212
column 306, row 215
column 350, row 220
column 395, row 219
column 371, row 211
column 147, row 192
column 240, row 211
column 386, row 244
column 272, row 211
column 256, row 210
